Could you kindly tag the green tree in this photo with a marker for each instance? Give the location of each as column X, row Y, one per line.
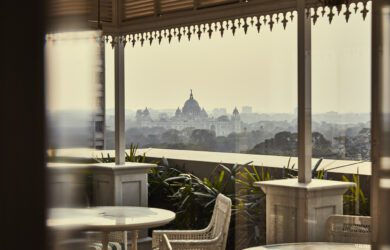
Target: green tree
column 205, row 139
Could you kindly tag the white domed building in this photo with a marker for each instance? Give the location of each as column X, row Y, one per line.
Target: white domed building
column 193, row 116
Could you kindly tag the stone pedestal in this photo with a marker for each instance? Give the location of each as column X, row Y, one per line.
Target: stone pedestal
column 67, row 187
column 123, row 185
column 297, row 212
column 67, row 184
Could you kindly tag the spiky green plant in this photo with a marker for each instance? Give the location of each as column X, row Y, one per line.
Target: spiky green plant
column 132, row 156
column 289, row 171
column 250, row 206
column 355, row 201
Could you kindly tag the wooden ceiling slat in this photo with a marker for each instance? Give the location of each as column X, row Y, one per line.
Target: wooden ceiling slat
column 69, row 7
column 175, row 5
column 207, row 3
column 138, row 8
column 106, row 10
column 129, row 3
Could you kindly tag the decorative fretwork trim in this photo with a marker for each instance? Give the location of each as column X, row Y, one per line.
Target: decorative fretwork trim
column 245, row 23
column 244, row 20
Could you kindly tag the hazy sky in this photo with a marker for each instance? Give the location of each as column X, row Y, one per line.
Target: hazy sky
column 258, row 70
column 71, row 71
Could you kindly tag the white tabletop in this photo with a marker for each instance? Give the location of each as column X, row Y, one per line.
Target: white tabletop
column 313, row 246
column 109, row 218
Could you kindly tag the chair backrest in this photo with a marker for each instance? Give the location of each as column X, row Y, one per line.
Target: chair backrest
column 349, row 229
column 165, row 243
column 221, row 218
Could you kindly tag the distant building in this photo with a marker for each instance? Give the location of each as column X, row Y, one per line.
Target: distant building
column 219, row 112
column 98, row 122
column 193, row 116
column 247, row 110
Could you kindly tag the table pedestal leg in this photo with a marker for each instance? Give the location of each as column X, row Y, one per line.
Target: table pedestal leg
column 125, row 239
column 134, row 238
column 105, row 240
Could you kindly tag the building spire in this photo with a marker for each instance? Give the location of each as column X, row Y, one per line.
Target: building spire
column 191, row 95
column 235, row 111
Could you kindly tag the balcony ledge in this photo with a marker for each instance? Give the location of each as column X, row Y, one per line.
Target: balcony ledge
column 350, row 167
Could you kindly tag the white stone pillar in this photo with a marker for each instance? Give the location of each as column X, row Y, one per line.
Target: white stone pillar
column 119, row 58
column 297, row 212
column 125, row 185
column 67, row 184
column 304, row 94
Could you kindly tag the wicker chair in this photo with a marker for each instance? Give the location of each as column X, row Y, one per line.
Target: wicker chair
column 349, row 229
column 214, row 236
column 117, row 241
column 166, row 245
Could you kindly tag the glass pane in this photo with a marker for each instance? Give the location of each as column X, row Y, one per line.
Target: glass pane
column 342, row 105
column 221, row 95
column 207, row 101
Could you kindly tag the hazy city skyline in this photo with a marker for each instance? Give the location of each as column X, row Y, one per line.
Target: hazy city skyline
column 257, row 70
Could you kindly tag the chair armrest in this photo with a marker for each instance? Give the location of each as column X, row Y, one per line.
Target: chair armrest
column 214, row 243
column 181, row 232
column 185, row 238
column 157, row 235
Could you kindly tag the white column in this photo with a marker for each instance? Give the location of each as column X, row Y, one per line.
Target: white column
column 119, row 58
column 304, row 94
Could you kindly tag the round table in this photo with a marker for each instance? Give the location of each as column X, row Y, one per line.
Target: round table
column 109, row 219
column 313, row 246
